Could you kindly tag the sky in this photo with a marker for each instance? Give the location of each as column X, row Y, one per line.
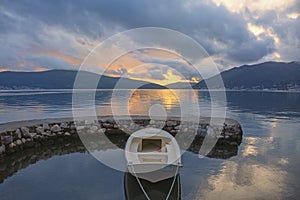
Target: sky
column 37, row 35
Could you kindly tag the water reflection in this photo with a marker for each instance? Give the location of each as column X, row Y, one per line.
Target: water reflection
column 266, row 166
column 252, row 181
column 22, row 159
column 160, row 190
column 44, row 104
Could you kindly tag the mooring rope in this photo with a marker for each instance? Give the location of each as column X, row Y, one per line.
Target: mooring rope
column 143, row 190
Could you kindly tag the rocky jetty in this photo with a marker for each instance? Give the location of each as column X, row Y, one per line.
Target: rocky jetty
column 18, row 136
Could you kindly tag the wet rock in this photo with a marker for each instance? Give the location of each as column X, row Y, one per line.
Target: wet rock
column 94, row 128
column 173, row 131
column 18, row 133
column 32, row 135
column 47, row 133
column 18, row 142
column 177, row 127
column 64, row 125
column 116, row 126
column 7, row 139
column 89, row 122
column 25, row 131
column 152, row 122
column 107, row 125
column 2, row 149
column 73, row 127
column 171, row 123
column 67, row 134
column 80, row 128
column 12, row 145
column 55, row 128
column 46, row 126
column 39, row 129
column 201, row 131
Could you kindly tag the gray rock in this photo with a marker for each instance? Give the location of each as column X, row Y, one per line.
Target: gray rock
column 152, row 122
column 55, row 128
column 12, row 145
column 18, row 142
column 73, row 127
column 177, row 127
column 23, row 140
column 18, row 133
column 89, row 122
column 39, row 130
column 32, row 135
column 80, row 128
column 107, row 125
column 47, row 133
column 64, row 125
column 94, row 128
column 2, row 149
column 171, row 123
column 116, row 126
column 46, row 126
column 7, row 139
column 25, row 131
column 67, row 134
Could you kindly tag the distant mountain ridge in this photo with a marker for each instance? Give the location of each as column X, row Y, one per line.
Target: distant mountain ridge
column 64, row 79
column 268, row 75
column 181, row 85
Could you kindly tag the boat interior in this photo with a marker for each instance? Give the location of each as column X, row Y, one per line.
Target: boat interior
column 151, row 150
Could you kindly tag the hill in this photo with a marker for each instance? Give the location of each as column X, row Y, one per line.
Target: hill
column 268, row 75
column 64, row 79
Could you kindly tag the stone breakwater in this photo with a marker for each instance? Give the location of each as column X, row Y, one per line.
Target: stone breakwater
column 39, row 133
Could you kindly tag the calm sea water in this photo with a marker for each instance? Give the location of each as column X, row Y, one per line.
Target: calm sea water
column 266, row 166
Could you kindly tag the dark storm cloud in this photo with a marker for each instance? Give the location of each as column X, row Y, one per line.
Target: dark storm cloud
column 24, row 25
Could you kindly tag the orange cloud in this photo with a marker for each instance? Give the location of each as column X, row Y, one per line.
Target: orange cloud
column 140, row 70
column 40, row 69
column 69, row 59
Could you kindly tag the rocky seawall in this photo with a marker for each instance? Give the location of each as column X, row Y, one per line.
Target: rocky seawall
column 26, row 142
column 18, row 136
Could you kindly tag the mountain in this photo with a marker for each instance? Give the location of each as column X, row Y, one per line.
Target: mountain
column 268, row 75
column 180, row 85
column 64, row 79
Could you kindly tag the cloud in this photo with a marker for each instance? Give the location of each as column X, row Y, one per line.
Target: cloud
column 71, row 28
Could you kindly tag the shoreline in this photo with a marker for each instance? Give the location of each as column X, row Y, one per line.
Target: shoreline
column 108, row 89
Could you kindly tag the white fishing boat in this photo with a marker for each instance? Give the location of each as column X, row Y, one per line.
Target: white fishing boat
column 153, row 155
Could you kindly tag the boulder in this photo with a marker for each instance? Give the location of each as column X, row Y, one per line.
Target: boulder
column 47, row 133
column 55, row 128
column 12, row 145
column 2, row 149
column 64, row 125
column 7, row 139
column 18, row 142
column 46, row 126
column 171, row 123
column 32, row 135
column 67, row 134
column 18, row 133
column 25, row 131
column 94, row 128
column 39, row 129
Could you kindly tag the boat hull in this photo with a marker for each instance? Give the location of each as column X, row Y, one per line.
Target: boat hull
column 154, row 172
